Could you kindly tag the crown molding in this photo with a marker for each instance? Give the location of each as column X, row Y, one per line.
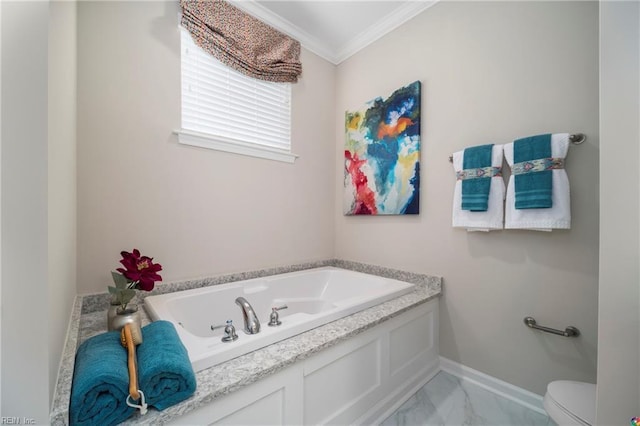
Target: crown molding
column 382, row 27
column 308, row 41
column 375, row 31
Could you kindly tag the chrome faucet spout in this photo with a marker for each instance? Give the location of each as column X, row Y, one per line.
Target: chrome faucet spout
column 251, row 322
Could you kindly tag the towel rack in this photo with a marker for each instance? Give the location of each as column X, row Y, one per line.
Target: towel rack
column 574, row 138
column 577, row 138
column 567, row 332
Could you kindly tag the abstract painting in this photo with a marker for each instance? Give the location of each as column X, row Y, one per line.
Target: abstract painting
column 382, row 155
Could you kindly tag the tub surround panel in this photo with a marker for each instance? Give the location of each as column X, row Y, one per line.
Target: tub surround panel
column 317, row 375
column 418, row 337
column 270, row 408
column 239, row 372
column 360, row 368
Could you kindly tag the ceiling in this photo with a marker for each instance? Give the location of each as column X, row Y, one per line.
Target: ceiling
column 334, row 29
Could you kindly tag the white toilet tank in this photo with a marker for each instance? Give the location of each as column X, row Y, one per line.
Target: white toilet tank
column 571, row 403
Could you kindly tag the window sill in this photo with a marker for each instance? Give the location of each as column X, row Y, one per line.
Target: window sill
column 186, row 137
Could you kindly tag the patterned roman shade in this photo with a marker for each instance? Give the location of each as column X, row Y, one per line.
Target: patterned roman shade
column 241, row 41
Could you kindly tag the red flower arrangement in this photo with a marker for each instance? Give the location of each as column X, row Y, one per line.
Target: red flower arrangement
column 139, row 273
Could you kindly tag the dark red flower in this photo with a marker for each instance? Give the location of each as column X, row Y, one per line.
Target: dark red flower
column 140, row 269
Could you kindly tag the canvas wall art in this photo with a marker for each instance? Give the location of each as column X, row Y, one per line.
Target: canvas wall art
column 382, row 155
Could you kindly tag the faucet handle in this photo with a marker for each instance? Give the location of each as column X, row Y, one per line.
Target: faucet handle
column 229, row 331
column 274, row 321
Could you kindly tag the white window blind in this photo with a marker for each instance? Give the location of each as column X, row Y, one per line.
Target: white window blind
column 224, row 109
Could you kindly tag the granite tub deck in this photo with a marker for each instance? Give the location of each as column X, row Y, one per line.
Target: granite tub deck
column 89, row 318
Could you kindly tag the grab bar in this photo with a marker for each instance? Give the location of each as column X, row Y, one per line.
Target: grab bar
column 568, row 332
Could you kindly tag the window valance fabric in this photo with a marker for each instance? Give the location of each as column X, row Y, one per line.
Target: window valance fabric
column 241, row 41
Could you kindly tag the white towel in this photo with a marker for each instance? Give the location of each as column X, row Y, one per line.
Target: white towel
column 556, row 217
column 488, row 220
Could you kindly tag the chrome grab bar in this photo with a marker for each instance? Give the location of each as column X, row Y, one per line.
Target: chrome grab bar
column 568, row 332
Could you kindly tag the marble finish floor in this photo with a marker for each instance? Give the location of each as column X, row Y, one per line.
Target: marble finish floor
column 448, row 401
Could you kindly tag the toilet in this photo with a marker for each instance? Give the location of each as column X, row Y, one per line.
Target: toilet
column 571, row 403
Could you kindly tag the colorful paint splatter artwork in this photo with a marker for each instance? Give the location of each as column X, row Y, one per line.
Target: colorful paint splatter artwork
column 382, row 155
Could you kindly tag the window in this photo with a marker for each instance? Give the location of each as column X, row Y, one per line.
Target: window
column 225, row 110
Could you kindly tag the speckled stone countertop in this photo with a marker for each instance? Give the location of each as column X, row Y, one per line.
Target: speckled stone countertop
column 89, row 318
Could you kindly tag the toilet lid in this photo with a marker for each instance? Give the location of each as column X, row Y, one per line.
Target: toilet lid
column 577, row 398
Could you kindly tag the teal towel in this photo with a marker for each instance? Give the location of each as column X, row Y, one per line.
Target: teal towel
column 533, row 190
column 475, row 192
column 164, row 370
column 100, row 383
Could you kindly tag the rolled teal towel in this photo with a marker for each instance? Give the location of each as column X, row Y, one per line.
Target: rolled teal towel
column 533, row 190
column 100, row 384
column 164, row 370
column 475, row 192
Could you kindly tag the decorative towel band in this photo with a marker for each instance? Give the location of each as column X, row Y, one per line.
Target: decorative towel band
column 538, row 165
column 482, row 172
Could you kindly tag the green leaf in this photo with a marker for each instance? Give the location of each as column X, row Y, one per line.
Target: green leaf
column 126, row 295
column 120, row 280
column 128, row 292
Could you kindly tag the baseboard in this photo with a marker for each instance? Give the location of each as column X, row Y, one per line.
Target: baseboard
column 497, row 386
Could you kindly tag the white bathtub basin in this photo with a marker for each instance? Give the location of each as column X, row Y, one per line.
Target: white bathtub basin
column 314, row 297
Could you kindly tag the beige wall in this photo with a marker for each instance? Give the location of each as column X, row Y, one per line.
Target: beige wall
column 62, row 177
column 619, row 299
column 25, row 354
column 198, row 212
column 491, row 72
column 484, row 79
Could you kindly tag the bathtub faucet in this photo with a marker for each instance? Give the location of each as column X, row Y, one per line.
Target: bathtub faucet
column 251, row 322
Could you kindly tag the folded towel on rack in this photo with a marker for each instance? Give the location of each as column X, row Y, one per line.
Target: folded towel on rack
column 475, row 191
column 558, row 216
column 164, row 370
column 492, row 218
column 100, row 383
column 533, row 190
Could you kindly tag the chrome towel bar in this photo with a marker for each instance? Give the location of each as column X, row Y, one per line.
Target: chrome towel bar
column 568, row 332
column 574, row 138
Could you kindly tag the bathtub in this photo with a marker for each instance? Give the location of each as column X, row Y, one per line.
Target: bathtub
column 313, row 297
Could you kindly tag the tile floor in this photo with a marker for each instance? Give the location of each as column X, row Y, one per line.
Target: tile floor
column 446, row 400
